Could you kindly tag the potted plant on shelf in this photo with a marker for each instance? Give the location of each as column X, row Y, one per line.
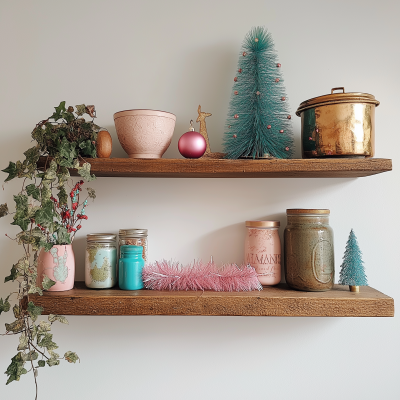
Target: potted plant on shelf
column 48, row 226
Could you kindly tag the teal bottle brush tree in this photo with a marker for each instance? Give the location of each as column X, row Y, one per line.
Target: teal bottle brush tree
column 259, row 121
column 352, row 271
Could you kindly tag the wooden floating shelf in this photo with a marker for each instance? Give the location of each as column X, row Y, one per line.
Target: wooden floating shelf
column 221, row 168
column 272, row 301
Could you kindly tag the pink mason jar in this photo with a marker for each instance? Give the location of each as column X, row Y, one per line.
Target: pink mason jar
column 262, row 250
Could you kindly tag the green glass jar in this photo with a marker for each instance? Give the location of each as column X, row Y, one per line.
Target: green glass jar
column 308, row 250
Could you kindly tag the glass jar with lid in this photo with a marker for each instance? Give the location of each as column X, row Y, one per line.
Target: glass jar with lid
column 263, row 250
column 101, row 260
column 308, row 250
column 134, row 237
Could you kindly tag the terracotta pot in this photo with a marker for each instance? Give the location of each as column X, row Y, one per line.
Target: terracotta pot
column 59, row 265
column 144, row 133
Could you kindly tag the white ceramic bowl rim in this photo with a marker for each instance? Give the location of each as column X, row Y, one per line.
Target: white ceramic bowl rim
column 157, row 113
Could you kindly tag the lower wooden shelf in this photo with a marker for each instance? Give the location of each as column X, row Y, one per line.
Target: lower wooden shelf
column 272, row 301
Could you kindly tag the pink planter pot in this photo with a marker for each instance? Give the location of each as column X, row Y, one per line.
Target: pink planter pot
column 144, row 133
column 59, row 265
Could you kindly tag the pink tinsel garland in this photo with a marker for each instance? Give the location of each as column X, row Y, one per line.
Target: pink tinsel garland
column 165, row 275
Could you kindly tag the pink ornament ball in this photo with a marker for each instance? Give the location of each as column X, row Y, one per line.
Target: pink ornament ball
column 192, row 145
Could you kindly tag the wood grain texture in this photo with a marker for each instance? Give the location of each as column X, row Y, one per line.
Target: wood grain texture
column 272, row 301
column 220, row 168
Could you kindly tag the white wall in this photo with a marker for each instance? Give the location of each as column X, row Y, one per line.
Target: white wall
column 174, row 55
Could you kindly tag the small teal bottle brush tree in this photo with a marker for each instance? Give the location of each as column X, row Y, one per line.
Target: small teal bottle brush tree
column 259, row 122
column 352, row 271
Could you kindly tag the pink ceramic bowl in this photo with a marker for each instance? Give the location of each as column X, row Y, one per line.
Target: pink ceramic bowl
column 144, row 133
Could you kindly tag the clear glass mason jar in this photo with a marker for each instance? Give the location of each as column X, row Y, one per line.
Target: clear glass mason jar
column 101, row 260
column 134, row 237
column 308, row 250
column 263, row 250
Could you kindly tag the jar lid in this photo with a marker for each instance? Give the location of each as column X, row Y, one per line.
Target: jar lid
column 133, row 232
column 336, row 98
column 101, row 237
column 307, row 211
column 129, row 248
column 263, row 224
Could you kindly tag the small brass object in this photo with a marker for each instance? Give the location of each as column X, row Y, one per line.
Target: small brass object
column 354, row 288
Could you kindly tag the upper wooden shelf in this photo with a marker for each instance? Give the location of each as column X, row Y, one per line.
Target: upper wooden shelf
column 272, row 301
column 221, row 168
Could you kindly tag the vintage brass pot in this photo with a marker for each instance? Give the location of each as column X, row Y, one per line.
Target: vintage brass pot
column 338, row 125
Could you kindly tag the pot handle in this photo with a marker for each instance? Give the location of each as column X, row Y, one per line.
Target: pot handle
column 337, row 88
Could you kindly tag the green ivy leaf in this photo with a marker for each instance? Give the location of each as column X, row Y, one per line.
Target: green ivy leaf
column 15, row 326
column 88, row 148
column 63, row 236
column 32, row 238
column 44, row 216
column 60, row 318
column 47, row 283
column 33, row 191
column 11, row 170
column 34, row 289
column 31, row 158
column 16, row 368
column 80, row 109
column 21, row 217
column 52, row 362
column 62, row 196
column 45, row 326
column 84, row 172
column 13, row 275
column 45, row 192
column 41, row 363
column 34, row 311
column 63, row 175
column 23, row 342
column 30, row 356
column 67, row 149
column 71, row 357
column 59, row 111
column 51, row 173
column 3, row 210
column 16, row 311
column 4, row 305
column 45, row 245
column 47, row 342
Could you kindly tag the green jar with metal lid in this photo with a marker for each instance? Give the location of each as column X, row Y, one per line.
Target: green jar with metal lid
column 308, row 250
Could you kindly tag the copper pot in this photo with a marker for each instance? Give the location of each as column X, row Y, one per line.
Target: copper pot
column 338, row 125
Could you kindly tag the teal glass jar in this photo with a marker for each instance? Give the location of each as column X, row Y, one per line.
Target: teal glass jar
column 131, row 264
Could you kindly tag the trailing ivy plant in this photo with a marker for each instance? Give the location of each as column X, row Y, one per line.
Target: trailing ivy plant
column 46, row 215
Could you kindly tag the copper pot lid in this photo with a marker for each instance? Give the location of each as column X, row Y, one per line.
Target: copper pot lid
column 336, row 98
column 263, row 224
